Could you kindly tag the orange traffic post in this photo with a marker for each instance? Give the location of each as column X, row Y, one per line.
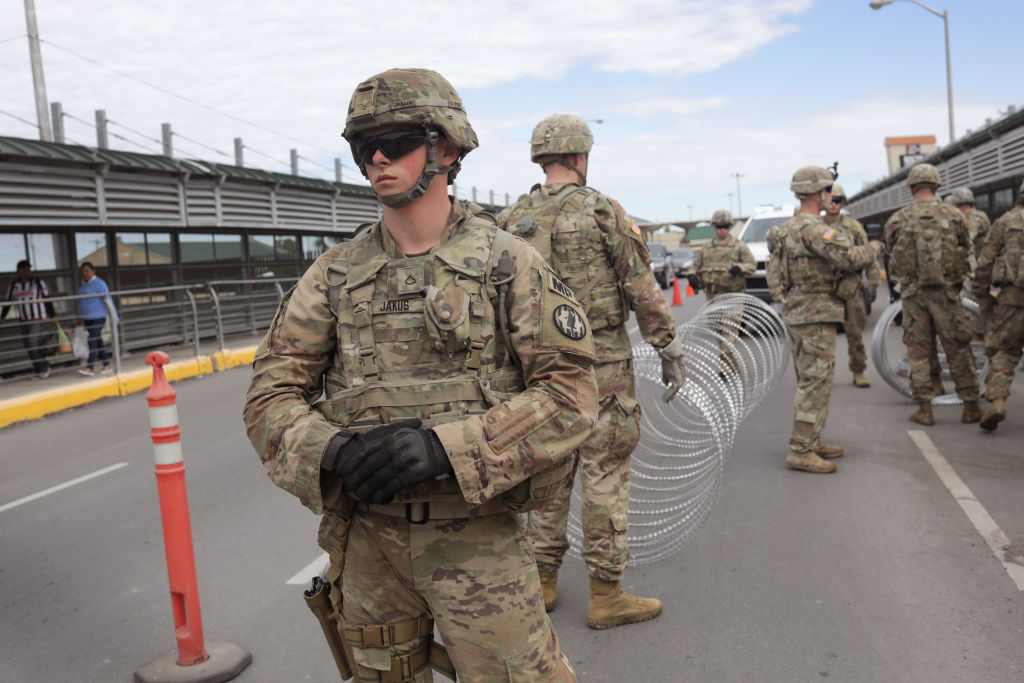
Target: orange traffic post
column 676, row 299
column 689, row 289
column 194, row 662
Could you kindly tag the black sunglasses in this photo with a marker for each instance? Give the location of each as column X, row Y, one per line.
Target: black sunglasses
column 394, row 145
column 723, row 226
column 838, row 200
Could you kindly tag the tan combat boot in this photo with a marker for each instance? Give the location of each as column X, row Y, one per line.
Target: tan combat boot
column 859, row 380
column 923, row 414
column 610, row 606
column 828, row 452
column 995, row 414
column 549, row 586
column 809, row 462
column 972, row 413
column 937, row 386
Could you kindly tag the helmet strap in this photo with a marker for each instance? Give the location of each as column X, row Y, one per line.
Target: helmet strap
column 564, row 161
column 430, row 169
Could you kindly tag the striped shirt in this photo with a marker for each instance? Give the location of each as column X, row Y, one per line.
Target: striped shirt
column 31, row 292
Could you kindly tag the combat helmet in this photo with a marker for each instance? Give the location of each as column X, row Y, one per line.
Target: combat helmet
column 558, row 135
column 810, row 180
column 838, row 192
column 721, row 217
column 923, row 174
column 962, row 195
column 411, row 97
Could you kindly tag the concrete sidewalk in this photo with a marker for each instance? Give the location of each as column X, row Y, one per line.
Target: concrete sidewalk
column 25, row 398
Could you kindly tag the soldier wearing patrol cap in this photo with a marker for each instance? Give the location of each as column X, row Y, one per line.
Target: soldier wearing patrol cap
column 930, row 260
column 809, row 262
column 866, row 280
column 601, row 255
column 455, row 397
column 1001, row 264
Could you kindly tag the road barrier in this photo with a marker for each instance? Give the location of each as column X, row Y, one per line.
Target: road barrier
column 194, row 661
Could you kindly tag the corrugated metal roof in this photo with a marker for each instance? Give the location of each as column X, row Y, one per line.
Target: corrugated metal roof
column 53, row 151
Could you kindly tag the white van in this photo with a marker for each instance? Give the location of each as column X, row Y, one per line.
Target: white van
column 753, row 233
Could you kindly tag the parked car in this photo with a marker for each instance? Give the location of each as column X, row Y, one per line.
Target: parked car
column 753, row 235
column 682, row 257
column 661, row 263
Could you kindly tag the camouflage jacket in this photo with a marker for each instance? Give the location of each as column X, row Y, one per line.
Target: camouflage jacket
column 601, row 255
column 852, row 226
column 929, row 245
column 1001, row 259
column 812, row 259
column 712, row 264
column 397, row 349
column 773, row 269
column 978, row 226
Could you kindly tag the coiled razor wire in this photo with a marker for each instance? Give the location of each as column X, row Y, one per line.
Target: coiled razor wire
column 889, row 354
column 735, row 351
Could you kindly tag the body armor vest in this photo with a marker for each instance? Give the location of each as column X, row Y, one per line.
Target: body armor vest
column 418, row 338
column 1008, row 268
column 803, row 269
column 568, row 237
column 716, row 260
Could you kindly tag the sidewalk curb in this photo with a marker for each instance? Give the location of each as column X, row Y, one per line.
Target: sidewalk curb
column 42, row 403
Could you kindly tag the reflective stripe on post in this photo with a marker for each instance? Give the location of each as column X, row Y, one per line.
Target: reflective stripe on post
column 170, row 478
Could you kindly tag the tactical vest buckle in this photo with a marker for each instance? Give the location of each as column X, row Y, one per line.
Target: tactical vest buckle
column 418, row 512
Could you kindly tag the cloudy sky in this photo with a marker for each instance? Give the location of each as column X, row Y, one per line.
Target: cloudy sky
column 689, row 92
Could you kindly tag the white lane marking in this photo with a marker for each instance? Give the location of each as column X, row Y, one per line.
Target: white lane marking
column 308, row 572
column 982, row 521
column 61, row 487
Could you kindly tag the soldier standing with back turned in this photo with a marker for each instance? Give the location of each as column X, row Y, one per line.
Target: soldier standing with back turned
column 856, row 314
column 1001, row 264
column 808, row 265
column 930, row 249
column 601, row 255
column 458, row 383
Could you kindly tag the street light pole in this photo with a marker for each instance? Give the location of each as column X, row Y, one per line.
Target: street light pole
column 739, row 199
column 944, row 15
column 689, row 207
column 38, row 82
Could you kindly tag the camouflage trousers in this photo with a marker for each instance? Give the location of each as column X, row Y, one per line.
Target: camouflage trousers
column 604, row 483
column 936, row 311
column 1004, row 347
column 814, row 358
column 475, row 577
column 727, row 329
column 854, row 321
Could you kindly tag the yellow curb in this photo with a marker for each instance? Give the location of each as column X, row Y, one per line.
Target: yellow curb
column 54, row 400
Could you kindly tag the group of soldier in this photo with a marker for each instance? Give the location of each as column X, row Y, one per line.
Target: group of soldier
column 938, row 251
column 433, row 386
column 431, row 379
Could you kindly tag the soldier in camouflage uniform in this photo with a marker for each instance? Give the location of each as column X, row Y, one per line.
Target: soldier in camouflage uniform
column 856, row 314
column 456, row 369
column 722, row 266
column 808, row 265
column 930, row 249
column 978, row 226
column 601, row 255
column 1001, row 264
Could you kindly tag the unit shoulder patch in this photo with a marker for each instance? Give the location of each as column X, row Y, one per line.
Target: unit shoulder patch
column 569, row 322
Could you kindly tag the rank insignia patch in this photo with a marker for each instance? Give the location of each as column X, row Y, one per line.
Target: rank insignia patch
column 569, row 322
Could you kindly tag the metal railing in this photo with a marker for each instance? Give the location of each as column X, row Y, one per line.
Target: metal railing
column 173, row 316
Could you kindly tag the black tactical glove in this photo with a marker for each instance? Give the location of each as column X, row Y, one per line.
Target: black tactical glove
column 406, row 456
column 346, row 451
column 735, row 271
column 694, row 282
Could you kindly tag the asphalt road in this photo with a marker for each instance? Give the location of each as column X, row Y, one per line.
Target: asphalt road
column 875, row 573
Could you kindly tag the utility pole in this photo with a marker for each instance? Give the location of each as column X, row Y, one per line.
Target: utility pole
column 38, row 81
column 730, row 201
column 689, row 208
column 739, row 200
